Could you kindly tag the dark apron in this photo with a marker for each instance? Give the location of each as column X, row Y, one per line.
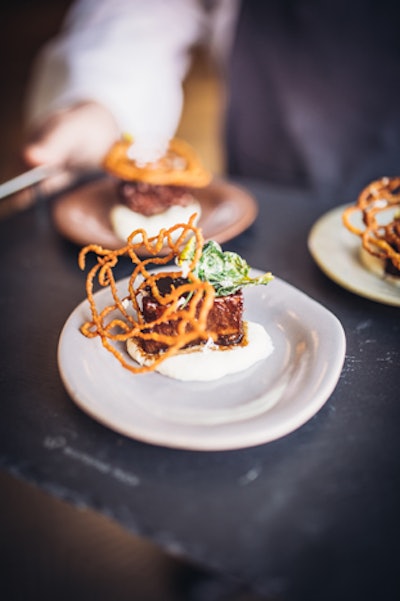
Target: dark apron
column 315, row 94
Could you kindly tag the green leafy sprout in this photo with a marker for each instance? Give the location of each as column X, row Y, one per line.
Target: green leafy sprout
column 226, row 271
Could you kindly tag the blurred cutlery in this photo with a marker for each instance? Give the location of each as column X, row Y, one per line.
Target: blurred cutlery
column 12, row 202
column 29, row 178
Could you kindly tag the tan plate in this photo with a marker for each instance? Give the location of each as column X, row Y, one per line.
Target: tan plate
column 82, row 215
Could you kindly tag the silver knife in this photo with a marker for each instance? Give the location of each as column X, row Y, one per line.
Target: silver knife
column 20, row 202
column 29, row 178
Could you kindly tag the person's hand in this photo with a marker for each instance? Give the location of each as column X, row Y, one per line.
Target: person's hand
column 73, row 140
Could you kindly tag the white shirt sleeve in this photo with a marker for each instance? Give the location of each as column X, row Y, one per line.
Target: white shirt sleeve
column 129, row 55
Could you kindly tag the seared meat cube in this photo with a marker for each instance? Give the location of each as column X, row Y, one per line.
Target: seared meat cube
column 149, row 199
column 225, row 317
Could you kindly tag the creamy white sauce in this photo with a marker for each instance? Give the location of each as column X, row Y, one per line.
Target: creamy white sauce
column 209, row 362
column 124, row 221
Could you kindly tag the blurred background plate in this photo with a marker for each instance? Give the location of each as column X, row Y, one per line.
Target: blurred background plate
column 83, row 214
column 337, row 252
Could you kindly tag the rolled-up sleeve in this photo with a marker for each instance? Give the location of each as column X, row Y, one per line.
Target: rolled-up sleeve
column 129, row 55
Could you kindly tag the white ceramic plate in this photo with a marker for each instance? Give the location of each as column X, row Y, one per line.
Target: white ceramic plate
column 337, row 252
column 268, row 401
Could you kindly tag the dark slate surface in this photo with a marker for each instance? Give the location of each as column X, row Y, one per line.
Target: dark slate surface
column 313, row 515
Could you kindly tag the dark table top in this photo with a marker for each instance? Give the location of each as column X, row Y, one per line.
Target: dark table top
column 317, row 519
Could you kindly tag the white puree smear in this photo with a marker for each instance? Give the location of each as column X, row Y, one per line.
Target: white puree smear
column 209, row 362
column 124, row 221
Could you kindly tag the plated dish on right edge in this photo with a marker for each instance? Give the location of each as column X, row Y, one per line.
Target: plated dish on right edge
column 358, row 246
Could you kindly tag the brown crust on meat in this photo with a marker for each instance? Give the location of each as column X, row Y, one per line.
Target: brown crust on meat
column 149, row 199
column 225, row 319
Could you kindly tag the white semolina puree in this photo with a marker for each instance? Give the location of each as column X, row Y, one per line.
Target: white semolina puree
column 209, row 362
column 124, row 221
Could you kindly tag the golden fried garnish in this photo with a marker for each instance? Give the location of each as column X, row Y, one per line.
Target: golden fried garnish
column 180, row 166
column 122, row 319
column 379, row 208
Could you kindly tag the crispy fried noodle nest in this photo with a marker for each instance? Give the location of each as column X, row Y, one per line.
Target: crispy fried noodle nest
column 378, row 205
column 180, row 166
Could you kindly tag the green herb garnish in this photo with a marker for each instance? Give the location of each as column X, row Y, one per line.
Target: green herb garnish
column 226, row 271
